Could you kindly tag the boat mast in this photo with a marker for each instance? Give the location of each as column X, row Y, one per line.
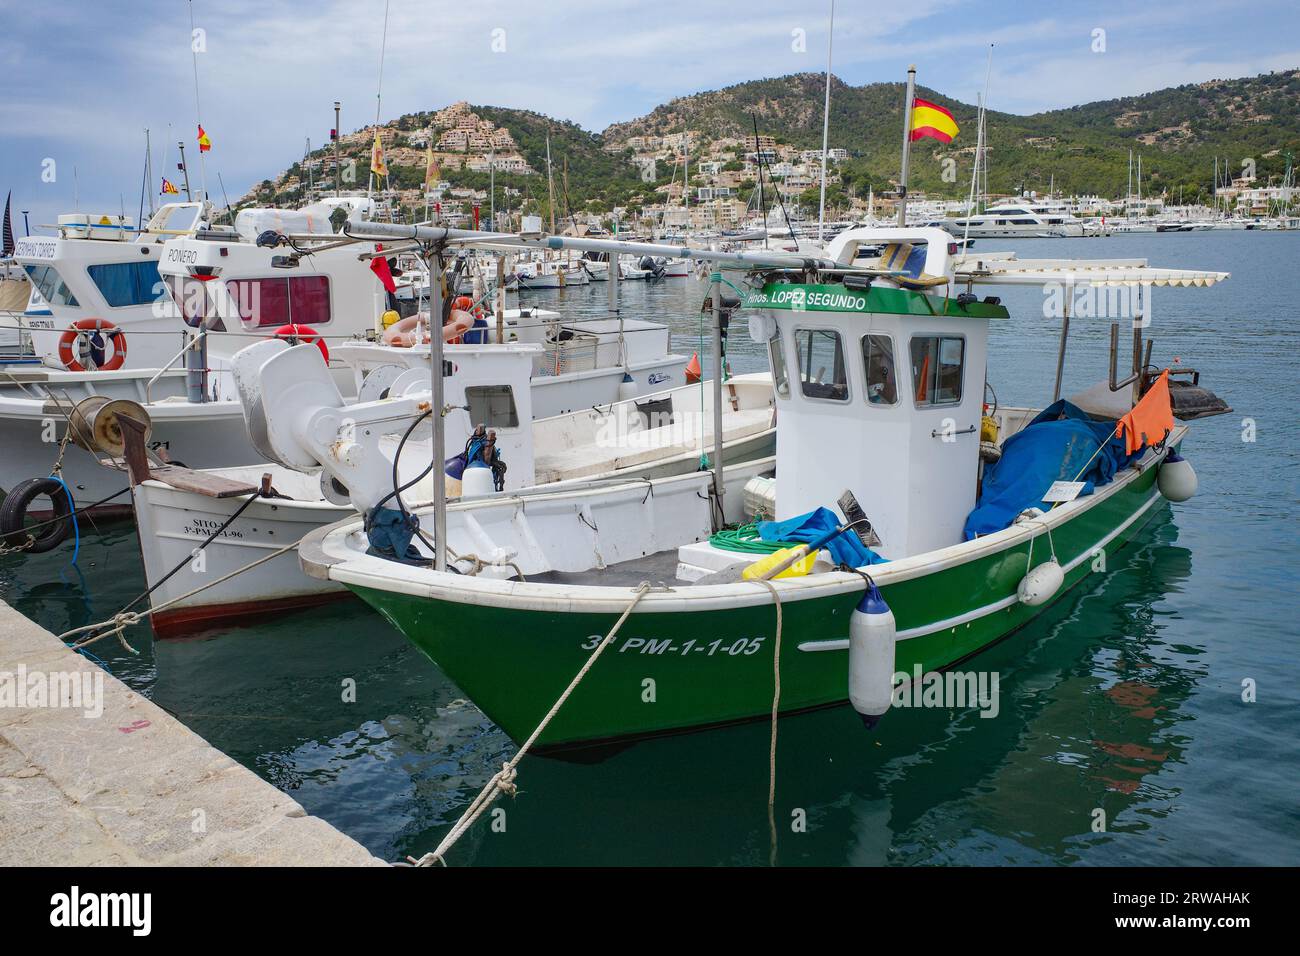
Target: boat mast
column 550, row 182
column 379, row 95
column 826, row 126
column 758, row 161
column 198, row 116
column 982, row 101
column 907, row 143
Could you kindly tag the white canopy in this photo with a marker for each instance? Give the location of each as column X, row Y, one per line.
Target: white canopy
column 1003, row 268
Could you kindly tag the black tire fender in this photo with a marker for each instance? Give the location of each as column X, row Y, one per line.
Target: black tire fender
column 13, row 513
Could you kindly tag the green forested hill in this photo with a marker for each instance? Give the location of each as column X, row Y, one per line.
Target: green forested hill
column 1178, row 131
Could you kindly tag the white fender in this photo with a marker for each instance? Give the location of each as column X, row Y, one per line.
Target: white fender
column 1038, row 586
column 872, row 640
column 1176, row 478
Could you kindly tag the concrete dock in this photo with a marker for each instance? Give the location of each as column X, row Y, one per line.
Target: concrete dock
column 93, row 774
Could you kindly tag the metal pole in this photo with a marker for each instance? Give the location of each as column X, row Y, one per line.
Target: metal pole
column 1139, row 322
column 717, row 394
column 433, row 265
column 186, row 170
column 1065, row 334
column 907, row 144
column 613, row 281
column 501, row 298
column 826, row 126
column 338, row 134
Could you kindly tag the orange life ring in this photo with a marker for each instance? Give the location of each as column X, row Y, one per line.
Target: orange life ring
column 307, row 334
column 72, row 332
column 402, row 334
column 463, row 303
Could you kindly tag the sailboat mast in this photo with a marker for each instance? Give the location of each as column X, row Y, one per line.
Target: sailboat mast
column 980, row 160
column 148, row 169
column 550, row 182
column 826, row 126
column 198, row 114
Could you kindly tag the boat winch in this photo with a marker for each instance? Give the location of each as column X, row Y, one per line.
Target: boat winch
column 94, row 425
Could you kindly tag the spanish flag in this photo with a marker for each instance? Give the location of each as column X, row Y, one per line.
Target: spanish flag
column 933, row 121
column 377, row 164
column 168, row 188
column 205, row 144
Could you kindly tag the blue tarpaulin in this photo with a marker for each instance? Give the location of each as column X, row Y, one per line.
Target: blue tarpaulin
column 846, row 548
column 1052, row 447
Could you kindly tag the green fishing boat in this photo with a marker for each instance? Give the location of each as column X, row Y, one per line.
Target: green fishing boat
column 964, row 519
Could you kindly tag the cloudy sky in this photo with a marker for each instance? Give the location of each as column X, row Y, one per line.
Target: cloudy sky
column 84, row 78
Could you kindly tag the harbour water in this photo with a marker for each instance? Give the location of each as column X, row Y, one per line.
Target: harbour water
column 1123, row 703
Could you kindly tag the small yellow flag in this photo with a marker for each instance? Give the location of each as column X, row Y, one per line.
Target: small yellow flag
column 431, row 172
column 377, row 164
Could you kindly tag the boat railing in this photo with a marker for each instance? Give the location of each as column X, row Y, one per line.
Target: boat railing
column 166, row 366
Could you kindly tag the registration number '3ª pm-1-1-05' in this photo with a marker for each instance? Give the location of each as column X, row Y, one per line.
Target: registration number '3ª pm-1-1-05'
column 645, row 645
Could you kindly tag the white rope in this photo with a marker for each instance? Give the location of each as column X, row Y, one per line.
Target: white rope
column 503, row 781
column 124, row 619
column 776, row 703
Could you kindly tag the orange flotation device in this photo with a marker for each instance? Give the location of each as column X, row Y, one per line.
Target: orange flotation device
column 402, row 334
column 693, row 372
column 307, row 334
column 110, row 330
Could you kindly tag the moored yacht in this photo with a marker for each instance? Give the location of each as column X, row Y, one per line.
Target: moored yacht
column 1017, row 217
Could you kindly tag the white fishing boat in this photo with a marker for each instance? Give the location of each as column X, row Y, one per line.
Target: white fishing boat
column 653, row 436
column 880, row 379
column 275, row 273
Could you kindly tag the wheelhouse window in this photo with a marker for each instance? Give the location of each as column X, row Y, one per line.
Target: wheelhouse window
column 937, row 365
column 272, row 302
column 878, row 357
column 194, row 300
column 51, row 286
column 125, row 284
column 780, row 374
column 492, row 405
column 822, row 371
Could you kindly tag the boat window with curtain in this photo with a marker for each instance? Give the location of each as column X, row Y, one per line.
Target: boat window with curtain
column 272, row 302
column 937, row 366
column 125, row 284
column 821, row 364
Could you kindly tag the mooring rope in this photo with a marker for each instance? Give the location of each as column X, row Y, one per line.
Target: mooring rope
column 776, row 704
column 503, row 781
column 125, row 618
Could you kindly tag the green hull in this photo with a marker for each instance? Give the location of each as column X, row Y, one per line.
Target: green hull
column 715, row 667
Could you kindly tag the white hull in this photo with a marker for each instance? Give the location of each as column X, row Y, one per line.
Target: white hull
column 202, row 436
column 172, row 523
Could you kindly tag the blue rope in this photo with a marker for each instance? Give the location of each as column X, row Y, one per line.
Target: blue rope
column 76, row 530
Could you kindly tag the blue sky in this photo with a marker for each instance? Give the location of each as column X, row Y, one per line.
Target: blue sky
column 84, row 78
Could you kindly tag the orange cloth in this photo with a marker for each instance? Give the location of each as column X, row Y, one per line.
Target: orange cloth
column 1151, row 419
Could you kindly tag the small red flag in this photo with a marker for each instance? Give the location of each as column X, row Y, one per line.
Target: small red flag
column 379, row 266
column 205, row 144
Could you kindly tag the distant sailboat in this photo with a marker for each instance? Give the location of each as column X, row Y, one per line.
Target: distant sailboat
column 7, row 244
